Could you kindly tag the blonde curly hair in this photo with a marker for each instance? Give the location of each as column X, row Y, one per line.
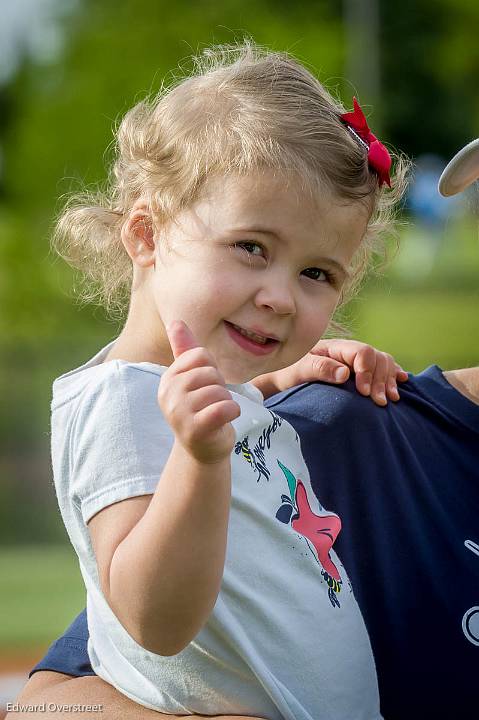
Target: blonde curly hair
column 242, row 108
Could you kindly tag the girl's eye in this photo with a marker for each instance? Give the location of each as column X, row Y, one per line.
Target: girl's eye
column 251, row 248
column 318, row 274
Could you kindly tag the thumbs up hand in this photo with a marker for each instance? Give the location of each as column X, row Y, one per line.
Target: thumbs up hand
column 194, row 400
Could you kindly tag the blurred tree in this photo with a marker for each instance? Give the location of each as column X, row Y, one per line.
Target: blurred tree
column 119, row 51
column 430, row 66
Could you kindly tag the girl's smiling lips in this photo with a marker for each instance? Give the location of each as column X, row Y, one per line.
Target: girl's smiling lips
column 248, row 343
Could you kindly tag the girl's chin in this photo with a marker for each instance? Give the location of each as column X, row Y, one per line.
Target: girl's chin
column 237, row 374
column 239, row 379
column 240, row 376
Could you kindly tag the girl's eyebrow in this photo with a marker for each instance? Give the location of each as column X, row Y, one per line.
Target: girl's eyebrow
column 264, row 231
column 334, row 264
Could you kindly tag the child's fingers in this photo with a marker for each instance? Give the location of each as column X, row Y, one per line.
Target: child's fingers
column 192, row 359
column 327, row 370
column 199, row 377
column 377, row 373
column 215, row 416
column 384, row 384
column 392, row 390
column 380, row 379
column 194, row 368
column 198, row 399
column 208, row 434
column 181, row 338
column 191, row 371
column 364, row 365
column 401, row 375
column 394, row 373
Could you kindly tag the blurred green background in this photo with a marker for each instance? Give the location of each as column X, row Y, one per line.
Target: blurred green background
column 68, row 70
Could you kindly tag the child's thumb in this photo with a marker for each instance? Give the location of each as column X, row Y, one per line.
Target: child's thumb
column 181, row 338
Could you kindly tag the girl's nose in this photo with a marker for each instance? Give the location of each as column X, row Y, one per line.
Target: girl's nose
column 279, row 297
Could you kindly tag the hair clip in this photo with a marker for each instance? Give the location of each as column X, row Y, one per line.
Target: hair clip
column 378, row 157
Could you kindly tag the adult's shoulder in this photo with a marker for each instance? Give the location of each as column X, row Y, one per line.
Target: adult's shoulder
column 324, row 403
column 424, row 396
column 443, row 396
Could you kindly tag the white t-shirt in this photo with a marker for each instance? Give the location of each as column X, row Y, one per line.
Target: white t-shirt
column 285, row 638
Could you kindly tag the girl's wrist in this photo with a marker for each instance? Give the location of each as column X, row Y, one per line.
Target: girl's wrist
column 180, row 451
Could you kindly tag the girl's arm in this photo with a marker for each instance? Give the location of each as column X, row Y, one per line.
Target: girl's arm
column 376, row 372
column 160, row 557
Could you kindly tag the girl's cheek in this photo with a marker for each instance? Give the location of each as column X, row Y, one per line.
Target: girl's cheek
column 320, row 314
column 319, row 319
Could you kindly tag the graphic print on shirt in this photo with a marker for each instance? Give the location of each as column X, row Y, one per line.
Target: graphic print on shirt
column 470, row 621
column 255, row 456
column 319, row 531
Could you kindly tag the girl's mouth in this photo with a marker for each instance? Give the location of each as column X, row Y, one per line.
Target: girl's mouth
column 256, row 344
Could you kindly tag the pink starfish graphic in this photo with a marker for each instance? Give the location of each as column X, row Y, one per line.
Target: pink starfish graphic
column 321, row 530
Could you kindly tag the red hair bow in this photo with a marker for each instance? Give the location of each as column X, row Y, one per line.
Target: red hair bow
column 378, row 157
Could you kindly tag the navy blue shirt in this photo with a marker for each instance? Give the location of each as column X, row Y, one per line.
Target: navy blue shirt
column 405, row 481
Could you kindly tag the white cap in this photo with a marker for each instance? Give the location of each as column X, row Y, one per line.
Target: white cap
column 461, row 171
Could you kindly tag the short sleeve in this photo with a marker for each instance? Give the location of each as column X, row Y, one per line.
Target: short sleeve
column 119, row 441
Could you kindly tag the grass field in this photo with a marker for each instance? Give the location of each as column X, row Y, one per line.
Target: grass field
column 41, row 591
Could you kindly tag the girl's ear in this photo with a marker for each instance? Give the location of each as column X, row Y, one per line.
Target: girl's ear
column 137, row 234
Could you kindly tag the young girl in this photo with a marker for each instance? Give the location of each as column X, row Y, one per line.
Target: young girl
column 246, row 201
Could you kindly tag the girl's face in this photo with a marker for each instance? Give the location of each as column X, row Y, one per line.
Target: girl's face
column 249, row 258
